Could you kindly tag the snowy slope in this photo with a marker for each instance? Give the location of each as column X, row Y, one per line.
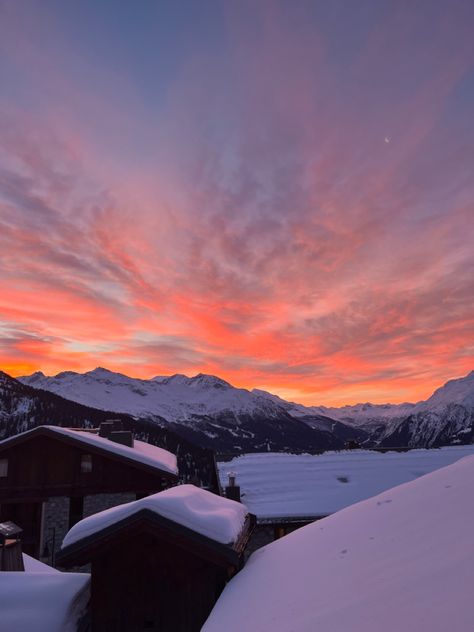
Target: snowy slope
column 174, row 398
column 214, row 413
column 446, row 417
column 402, row 560
column 305, row 485
column 203, row 409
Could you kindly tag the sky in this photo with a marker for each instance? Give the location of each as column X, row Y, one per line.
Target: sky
column 279, row 193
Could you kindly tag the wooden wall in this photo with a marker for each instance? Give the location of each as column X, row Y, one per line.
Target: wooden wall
column 43, row 466
column 147, row 584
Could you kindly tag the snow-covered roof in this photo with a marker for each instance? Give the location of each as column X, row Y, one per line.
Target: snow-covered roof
column 143, row 453
column 42, row 602
column 290, row 485
column 213, row 516
column 399, row 561
column 32, row 565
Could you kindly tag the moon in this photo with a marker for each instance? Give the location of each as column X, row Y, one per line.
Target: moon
column 387, row 139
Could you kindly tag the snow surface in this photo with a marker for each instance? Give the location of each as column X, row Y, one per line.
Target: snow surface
column 401, row 561
column 32, row 565
column 206, row 513
column 141, row 452
column 292, row 485
column 42, row 602
column 173, row 398
column 178, row 397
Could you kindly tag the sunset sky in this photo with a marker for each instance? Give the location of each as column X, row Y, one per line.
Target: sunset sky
column 279, row 193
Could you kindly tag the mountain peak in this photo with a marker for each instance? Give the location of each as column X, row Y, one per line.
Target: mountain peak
column 209, row 381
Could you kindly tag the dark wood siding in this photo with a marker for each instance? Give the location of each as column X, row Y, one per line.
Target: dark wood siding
column 43, row 467
column 144, row 583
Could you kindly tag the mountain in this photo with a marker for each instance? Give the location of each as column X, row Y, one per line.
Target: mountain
column 446, row 417
column 212, row 413
column 23, row 407
column 204, row 409
column 315, row 417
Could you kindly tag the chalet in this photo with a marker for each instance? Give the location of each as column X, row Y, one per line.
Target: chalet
column 289, row 491
column 52, row 477
column 159, row 563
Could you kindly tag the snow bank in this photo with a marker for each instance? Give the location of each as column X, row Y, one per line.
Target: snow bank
column 400, row 561
column 212, row 516
column 141, row 452
column 290, row 485
column 42, row 602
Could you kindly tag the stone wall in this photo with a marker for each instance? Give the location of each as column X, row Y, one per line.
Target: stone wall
column 98, row 502
column 55, row 520
column 55, row 525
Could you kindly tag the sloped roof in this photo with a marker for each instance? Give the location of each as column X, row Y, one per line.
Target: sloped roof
column 142, row 454
column 297, row 486
column 398, row 561
column 42, row 602
column 186, row 512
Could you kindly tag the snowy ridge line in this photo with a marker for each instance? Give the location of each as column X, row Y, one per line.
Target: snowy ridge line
column 179, row 397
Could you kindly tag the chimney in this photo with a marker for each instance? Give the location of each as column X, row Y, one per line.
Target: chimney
column 11, row 558
column 232, row 491
column 124, row 437
column 105, row 428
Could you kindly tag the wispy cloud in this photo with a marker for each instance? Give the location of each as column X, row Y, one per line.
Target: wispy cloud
column 245, row 216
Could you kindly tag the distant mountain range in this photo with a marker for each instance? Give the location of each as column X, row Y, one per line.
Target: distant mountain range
column 212, row 413
column 204, row 409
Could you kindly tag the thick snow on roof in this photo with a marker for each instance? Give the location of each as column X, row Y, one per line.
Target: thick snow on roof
column 399, row 561
column 206, row 513
column 141, row 452
column 42, row 602
column 290, row 485
column 32, row 565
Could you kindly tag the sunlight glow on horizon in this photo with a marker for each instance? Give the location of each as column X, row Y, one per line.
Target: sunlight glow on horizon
column 278, row 195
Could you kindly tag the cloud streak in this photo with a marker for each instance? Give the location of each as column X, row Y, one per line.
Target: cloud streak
column 244, row 215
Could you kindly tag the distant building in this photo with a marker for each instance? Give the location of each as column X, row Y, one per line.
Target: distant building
column 52, row 477
column 289, row 491
column 161, row 562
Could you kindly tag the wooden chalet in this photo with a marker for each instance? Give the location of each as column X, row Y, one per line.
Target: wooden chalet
column 51, row 477
column 151, row 572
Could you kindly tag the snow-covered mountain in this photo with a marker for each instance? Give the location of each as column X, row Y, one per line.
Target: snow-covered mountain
column 204, row 408
column 211, row 412
column 175, row 398
column 445, row 417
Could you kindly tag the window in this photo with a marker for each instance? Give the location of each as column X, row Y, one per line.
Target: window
column 86, row 463
column 3, row 468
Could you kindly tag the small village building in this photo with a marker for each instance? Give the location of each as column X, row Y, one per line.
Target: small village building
column 161, row 562
column 289, row 491
column 52, row 477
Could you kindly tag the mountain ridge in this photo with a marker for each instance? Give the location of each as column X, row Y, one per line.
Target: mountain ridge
column 206, row 408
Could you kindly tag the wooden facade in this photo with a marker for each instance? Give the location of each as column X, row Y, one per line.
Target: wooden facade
column 150, row 573
column 42, row 464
